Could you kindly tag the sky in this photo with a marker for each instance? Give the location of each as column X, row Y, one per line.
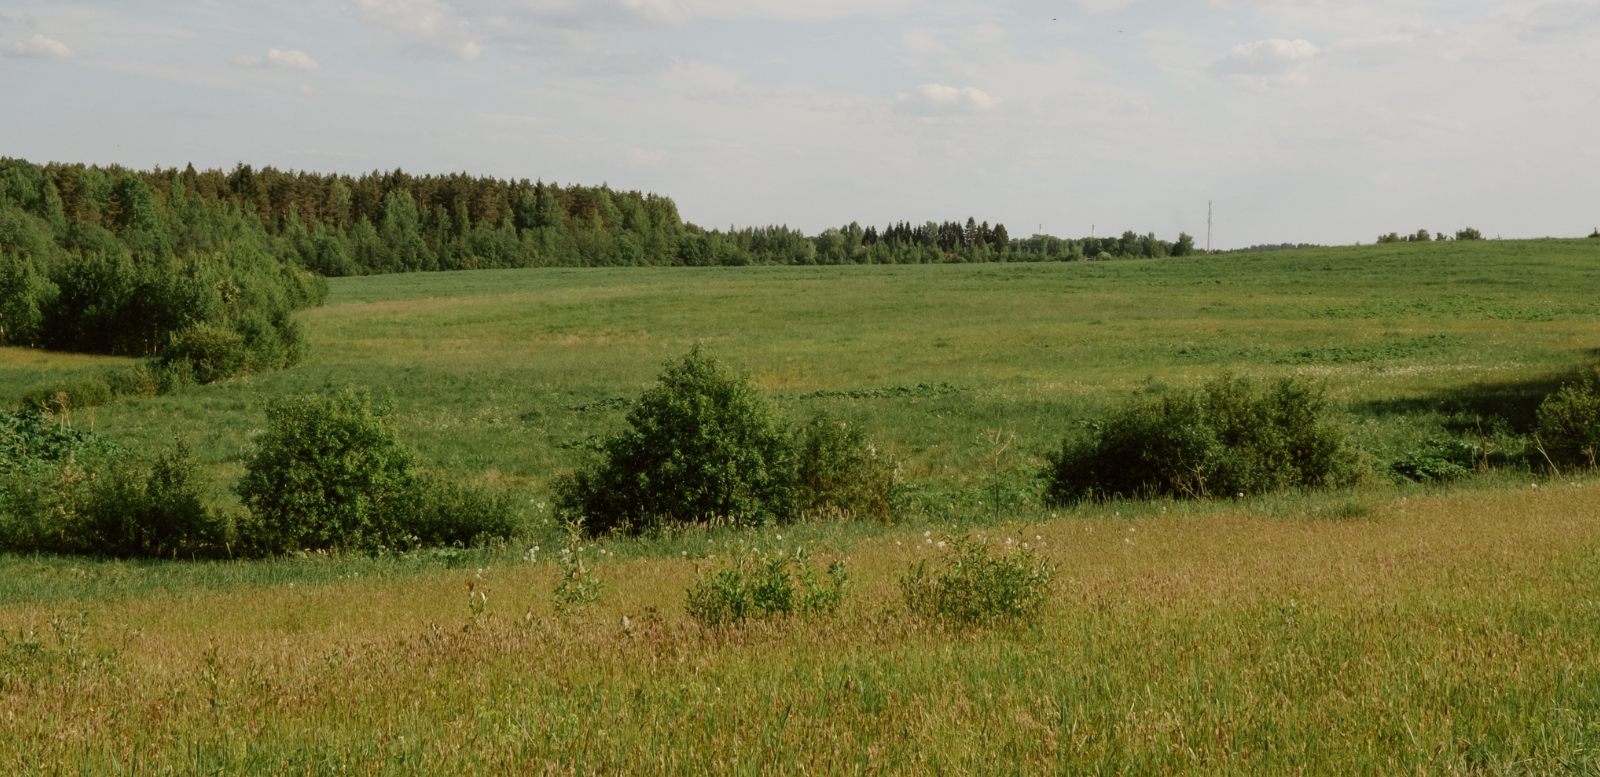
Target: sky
column 1319, row 121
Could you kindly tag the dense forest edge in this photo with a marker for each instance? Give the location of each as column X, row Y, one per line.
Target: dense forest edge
column 183, row 264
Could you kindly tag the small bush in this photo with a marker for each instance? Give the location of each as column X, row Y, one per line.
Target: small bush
column 1568, row 422
column 839, row 474
column 67, row 395
column 701, row 446
column 972, row 587
column 211, row 352
column 766, row 586
column 328, row 472
column 1468, row 234
column 140, row 380
column 107, row 504
column 130, row 513
column 1222, row 439
column 440, row 512
column 30, row 436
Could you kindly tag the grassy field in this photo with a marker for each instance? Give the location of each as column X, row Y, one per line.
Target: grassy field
column 1387, row 629
column 501, row 375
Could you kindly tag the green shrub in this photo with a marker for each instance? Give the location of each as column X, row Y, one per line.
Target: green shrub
column 1468, row 234
column 838, row 474
column 441, row 512
column 29, row 436
column 1222, row 439
column 212, row 352
column 104, row 503
column 67, row 395
column 1568, row 422
column 131, row 513
column 972, row 587
column 328, row 472
column 766, row 586
column 140, row 380
column 701, row 446
column 1442, row 460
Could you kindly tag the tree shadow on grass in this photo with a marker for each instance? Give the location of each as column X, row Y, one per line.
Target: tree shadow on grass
column 1510, row 405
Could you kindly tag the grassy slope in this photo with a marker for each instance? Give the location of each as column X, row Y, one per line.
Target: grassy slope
column 486, row 367
column 1384, row 631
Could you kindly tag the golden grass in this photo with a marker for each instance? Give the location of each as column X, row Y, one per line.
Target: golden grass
column 1440, row 634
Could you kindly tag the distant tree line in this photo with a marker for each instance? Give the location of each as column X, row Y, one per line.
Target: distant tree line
column 1422, row 236
column 200, row 270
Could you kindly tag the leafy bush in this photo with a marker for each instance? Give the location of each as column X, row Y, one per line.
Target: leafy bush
column 104, row 503
column 67, row 395
column 972, row 587
column 1222, row 439
column 1568, row 422
column 29, row 436
column 838, row 474
column 438, row 511
column 702, row 445
column 757, row 586
column 1468, row 234
column 155, row 514
column 328, row 472
column 1427, row 466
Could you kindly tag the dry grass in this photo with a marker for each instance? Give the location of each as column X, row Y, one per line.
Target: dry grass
column 1440, row 634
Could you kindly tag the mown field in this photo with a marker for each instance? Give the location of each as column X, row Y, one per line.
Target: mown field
column 1385, row 629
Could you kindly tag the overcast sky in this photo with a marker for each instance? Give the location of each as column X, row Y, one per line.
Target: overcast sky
column 1326, row 121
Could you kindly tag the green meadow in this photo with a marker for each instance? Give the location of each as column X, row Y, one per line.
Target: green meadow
column 1385, row 629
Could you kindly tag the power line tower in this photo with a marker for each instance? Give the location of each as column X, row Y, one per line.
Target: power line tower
column 1208, row 226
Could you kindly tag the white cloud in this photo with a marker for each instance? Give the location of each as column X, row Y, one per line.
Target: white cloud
column 426, row 27
column 293, row 59
column 939, row 100
column 37, row 47
column 1268, row 62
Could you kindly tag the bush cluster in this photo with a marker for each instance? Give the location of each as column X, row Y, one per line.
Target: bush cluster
column 703, row 446
column 63, row 491
column 1568, row 422
column 766, row 586
column 1222, row 439
column 972, row 587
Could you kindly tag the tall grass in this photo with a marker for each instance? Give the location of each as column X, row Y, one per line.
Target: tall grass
column 1437, row 633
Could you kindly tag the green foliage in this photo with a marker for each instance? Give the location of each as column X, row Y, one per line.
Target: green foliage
column 701, row 446
column 766, row 586
column 105, row 503
column 1468, row 234
column 972, row 587
column 131, row 513
column 66, row 395
column 1568, row 427
column 440, row 512
column 29, row 436
column 1443, row 460
column 839, row 474
column 328, row 472
column 1222, row 439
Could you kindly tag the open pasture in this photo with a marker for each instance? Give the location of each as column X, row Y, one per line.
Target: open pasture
column 1383, row 630
column 503, row 375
